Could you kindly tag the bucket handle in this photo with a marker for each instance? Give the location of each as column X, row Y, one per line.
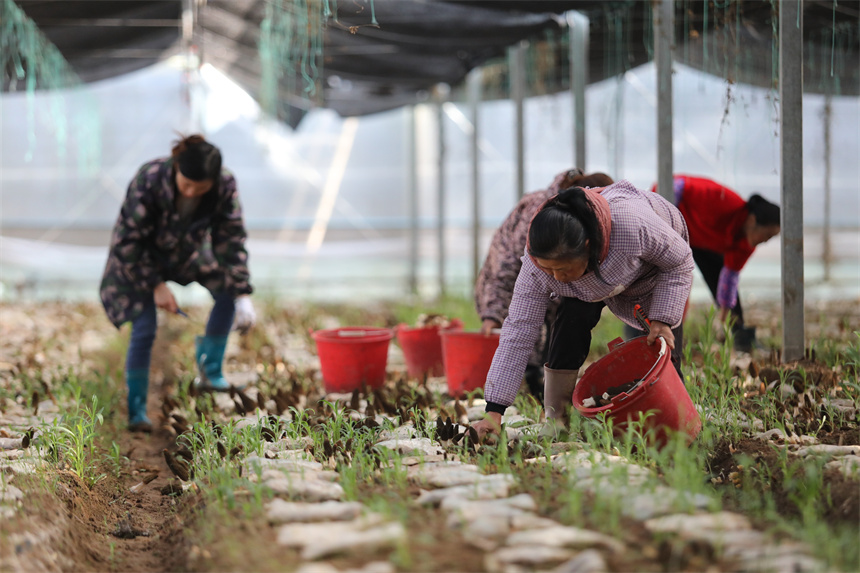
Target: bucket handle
column 647, row 374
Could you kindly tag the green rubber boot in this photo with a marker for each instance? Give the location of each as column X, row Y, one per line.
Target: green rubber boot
column 210, row 356
column 137, row 382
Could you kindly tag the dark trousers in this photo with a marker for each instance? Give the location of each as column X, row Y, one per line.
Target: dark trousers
column 710, row 264
column 570, row 337
column 144, row 326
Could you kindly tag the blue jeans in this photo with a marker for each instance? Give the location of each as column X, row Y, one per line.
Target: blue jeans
column 144, row 326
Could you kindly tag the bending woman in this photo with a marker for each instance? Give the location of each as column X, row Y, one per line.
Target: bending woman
column 495, row 284
column 590, row 248
column 725, row 229
column 181, row 221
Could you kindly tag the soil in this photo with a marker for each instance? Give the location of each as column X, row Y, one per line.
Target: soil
column 811, row 382
column 754, row 457
column 108, row 527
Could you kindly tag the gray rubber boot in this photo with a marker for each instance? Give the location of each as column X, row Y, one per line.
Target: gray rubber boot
column 557, row 400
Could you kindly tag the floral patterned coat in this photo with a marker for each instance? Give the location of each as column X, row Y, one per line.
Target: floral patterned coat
column 151, row 243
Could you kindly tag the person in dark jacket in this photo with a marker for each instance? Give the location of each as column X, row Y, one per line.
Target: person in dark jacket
column 181, row 221
column 494, row 287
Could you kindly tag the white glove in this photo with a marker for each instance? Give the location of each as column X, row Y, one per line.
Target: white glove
column 245, row 316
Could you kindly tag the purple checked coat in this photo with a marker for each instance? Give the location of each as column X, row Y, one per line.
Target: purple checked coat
column 649, row 262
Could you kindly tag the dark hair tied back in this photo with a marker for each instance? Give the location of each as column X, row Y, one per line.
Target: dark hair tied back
column 765, row 212
column 567, row 228
column 197, row 159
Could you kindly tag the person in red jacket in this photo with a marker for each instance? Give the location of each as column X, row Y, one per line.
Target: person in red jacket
column 724, row 231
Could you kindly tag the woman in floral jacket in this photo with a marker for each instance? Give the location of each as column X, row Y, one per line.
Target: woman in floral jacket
column 181, row 221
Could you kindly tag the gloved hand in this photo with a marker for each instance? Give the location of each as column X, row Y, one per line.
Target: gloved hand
column 245, row 316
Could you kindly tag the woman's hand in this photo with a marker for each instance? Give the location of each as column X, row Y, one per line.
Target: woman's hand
column 491, row 424
column 488, row 325
column 661, row 329
column 164, row 298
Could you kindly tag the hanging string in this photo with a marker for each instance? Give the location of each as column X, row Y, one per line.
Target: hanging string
column 737, row 41
column 27, row 55
column 726, row 54
column 774, row 51
column 648, row 34
column 686, row 32
column 628, row 28
column 373, row 21
column 705, row 36
column 832, row 38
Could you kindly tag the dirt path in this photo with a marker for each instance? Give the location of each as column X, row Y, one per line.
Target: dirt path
column 139, row 531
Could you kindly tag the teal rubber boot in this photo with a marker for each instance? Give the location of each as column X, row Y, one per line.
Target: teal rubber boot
column 137, row 382
column 210, row 356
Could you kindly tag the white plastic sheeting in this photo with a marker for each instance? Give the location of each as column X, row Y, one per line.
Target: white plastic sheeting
column 55, row 216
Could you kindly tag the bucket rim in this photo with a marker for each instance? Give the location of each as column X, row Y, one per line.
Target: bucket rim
column 371, row 334
column 467, row 333
column 456, row 324
column 653, row 377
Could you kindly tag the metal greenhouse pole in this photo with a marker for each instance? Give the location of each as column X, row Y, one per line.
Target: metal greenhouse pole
column 474, row 94
column 578, row 24
column 664, row 45
column 441, row 96
column 791, row 175
column 413, row 200
column 827, row 251
column 518, row 83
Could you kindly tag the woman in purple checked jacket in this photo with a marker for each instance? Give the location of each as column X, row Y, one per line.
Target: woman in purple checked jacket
column 494, row 286
column 589, row 248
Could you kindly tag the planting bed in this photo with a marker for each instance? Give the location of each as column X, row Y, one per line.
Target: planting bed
column 287, row 477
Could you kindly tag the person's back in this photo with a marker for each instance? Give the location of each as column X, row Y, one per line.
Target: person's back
column 713, row 213
column 724, row 231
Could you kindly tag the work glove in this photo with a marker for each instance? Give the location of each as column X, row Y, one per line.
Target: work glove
column 245, row 316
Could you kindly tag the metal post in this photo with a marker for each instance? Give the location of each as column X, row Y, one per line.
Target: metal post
column 827, row 118
column 413, row 201
column 474, row 94
column 616, row 142
column 440, row 188
column 791, row 175
column 189, row 80
column 664, row 46
column 578, row 24
column 518, row 82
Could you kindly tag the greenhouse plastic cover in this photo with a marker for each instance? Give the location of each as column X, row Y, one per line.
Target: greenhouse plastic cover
column 59, row 197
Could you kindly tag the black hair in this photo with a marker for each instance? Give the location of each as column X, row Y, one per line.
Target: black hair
column 765, row 212
column 562, row 227
column 197, row 159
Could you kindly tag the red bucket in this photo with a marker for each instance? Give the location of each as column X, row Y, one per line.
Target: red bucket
column 422, row 348
column 661, row 390
column 468, row 356
column 353, row 356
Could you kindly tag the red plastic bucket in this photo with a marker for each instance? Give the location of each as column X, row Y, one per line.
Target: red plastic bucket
column 661, row 391
column 468, row 356
column 422, row 348
column 352, row 356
